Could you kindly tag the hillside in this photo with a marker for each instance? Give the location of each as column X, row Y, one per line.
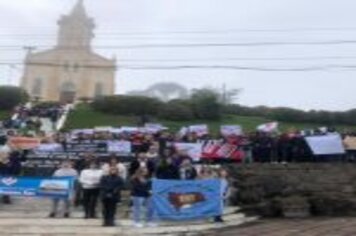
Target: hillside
column 85, row 117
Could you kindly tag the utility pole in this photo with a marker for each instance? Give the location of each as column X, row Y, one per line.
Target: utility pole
column 224, row 93
column 29, row 49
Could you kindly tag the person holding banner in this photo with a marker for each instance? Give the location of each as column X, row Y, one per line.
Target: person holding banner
column 141, row 197
column 225, row 191
column 110, row 191
column 66, row 170
column 187, row 171
column 166, row 169
column 90, row 180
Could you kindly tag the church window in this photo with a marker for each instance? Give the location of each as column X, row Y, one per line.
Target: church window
column 99, row 89
column 37, row 87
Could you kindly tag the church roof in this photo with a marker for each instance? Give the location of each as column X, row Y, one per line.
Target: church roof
column 79, row 10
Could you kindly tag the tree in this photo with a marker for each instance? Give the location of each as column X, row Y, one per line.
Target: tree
column 127, row 105
column 163, row 92
column 177, row 110
column 11, row 96
column 206, row 105
column 229, row 96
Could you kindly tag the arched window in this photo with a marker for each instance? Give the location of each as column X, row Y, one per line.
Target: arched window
column 37, row 87
column 99, row 89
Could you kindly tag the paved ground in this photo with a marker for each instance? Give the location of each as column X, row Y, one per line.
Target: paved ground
column 28, row 217
column 309, row 227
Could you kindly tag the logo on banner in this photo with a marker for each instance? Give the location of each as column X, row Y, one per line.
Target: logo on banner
column 185, row 200
column 9, row 181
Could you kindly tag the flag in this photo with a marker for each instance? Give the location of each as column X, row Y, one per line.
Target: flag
column 187, row 199
column 268, row 127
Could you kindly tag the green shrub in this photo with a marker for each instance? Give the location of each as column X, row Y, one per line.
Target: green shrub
column 127, row 105
column 46, row 104
column 11, row 96
column 205, row 104
column 177, row 110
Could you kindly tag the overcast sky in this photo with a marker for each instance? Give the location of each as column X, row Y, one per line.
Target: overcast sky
column 317, row 74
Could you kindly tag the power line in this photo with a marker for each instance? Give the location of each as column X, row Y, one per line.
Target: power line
column 205, row 67
column 304, row 58
column 107, row 31
column 196, row 45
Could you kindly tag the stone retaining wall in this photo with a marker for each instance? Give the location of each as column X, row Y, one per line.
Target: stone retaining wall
column 292, row 190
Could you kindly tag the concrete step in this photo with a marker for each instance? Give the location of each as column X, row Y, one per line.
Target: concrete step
column 76, row 213
column 51, row 227
column 28, row 217
column 40, row 208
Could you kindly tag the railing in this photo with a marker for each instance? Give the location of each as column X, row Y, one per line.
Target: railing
column 61, row 122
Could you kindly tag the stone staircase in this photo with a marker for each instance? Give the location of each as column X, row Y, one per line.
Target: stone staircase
column 28, row 217
column 47, row 125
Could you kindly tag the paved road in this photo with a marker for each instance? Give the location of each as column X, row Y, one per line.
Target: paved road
column 310, row 227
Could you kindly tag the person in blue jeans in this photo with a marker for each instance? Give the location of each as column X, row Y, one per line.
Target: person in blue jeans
column 224, row 192
column 141, row 198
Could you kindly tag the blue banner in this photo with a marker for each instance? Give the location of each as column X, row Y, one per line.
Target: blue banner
column 52, row 187
column 187, row 200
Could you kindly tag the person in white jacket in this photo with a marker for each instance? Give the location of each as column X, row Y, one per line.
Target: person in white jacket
column 90, row 180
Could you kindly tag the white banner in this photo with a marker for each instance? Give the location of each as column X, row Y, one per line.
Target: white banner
column 326, row 145
column 154, row 128
column 115, row 131
column 49, row 147
column 183, row 131
column 200, row 130
column 227, row 130
column 83, row 131
column 119, row 146
column 103, row 129
column 130, row 129
column 193, row 150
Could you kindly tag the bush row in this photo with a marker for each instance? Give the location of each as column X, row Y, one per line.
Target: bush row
column 295, row 115
column 175, row 110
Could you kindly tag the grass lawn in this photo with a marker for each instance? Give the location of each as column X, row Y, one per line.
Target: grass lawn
column 84, row 117
column 4, row 115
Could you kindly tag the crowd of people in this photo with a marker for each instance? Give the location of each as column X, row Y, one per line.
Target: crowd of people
column 251, row 147
column 154, row 155
column 105, row 181
column 29, row 118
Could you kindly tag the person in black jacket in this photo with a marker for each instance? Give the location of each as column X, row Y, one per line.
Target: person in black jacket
column 110, row 191
column 167, row 170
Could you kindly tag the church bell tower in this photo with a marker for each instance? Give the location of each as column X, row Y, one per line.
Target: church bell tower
column 76, row 29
